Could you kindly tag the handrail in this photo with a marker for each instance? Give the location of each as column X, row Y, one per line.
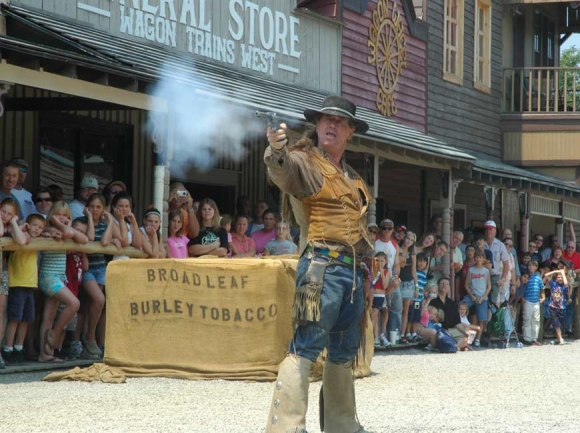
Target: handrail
column 45, row 244
column 536, row 89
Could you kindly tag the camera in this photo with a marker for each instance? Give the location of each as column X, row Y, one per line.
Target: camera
column 182, row 193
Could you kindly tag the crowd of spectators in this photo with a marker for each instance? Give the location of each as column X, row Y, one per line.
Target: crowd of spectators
column 413, row 301
column 55, row 301
column 65, row 317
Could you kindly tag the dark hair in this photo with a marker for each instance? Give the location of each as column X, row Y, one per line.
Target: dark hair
column 226, row 219
column 107, row 188
column 272, row 212
column 82, row 220
column 97, row 196
column 121, row 196
column 11, row 164
column 526, row 254
column 421, row 256
column 55, row 192
column 381, row 254
column 442, row 279
column 35, row 216
column 240, row 202
column 42, row 190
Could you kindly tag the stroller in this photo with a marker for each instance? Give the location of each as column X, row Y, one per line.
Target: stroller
column 502, row 326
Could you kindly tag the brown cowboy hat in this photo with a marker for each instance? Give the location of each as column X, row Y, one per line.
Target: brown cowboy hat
column 337, row 106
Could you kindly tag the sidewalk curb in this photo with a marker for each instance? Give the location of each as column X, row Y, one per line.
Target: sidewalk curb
column 29, row 367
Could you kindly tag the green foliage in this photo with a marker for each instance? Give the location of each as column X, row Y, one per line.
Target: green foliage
column 570, row 57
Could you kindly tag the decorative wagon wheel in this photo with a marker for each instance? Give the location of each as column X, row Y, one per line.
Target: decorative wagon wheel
column 391, row 55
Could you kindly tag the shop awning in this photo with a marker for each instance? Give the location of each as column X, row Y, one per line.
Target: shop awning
column 491, row 172
column 78, row 43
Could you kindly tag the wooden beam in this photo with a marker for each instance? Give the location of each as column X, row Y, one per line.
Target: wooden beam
column 44, row 244
column 70, row 86
column 73, row 103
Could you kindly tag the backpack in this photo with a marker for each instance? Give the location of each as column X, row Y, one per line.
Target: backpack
column 444, row 342
column 496, row 326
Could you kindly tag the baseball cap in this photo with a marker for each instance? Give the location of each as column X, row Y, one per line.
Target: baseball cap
column 118, row 182
column 20, row 162
column 371, row 225
column 90, row 182
column 401, row 228
column 387, row 223
column 489, row 224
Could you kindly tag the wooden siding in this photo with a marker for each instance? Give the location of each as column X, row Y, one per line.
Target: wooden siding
column 319, row 39
column 541, row 148
column 459, row 114
column 472, row 196
column 19, row 137
column 359, row 78
column 400, row 187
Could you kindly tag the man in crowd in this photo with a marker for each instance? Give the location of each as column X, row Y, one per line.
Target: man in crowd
column 533, row 250
column 257, row 223
column 89, row 185
column 468, row 239
column 43, row 201
column 501, row 261
column 436, row 267
column 399, row 234
column 24, row 197
column 544, row 252
column 571, row 255
column 329, row 294
column 10, row 173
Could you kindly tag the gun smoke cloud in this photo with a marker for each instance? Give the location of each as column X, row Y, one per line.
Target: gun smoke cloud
column 205, row 129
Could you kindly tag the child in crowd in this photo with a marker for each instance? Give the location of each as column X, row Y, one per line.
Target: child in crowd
column 226, row 224
column 465, row 326
column 478, row 287
column 52, row 282
column 281, row 245
column 76, row 264
column 23, row 270
column 559, row 298
column 415, row 308
column 176, row 240
column 524, row 262
column 480, row 245
column 381, row 284
column 533, row 295
column 150, row 228
column 8, row 227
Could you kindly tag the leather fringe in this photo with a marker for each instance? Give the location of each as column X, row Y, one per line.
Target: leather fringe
column 307, row 303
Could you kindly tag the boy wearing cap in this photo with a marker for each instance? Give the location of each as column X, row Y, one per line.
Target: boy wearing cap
column 23, row 196
column 501, row 260
column 89, row 186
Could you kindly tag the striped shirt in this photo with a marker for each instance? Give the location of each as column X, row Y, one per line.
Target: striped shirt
column 53, row 263
column 97, row 260
column 421, row 282
column 532, row 290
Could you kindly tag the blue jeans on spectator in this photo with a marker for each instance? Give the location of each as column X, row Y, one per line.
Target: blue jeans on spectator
column 339, row 325
column 569, row 320
column 395, row 304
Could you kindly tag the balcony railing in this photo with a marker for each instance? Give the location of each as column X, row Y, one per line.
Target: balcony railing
column 541, row 90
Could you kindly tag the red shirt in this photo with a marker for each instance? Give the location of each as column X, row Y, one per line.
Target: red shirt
column 575, row 259
column 74, row 272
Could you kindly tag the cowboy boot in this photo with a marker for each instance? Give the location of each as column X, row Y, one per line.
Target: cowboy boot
column 339, row 402
column 290, row 399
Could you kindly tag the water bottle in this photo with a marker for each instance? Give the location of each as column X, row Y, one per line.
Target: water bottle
column 519, row 345
column 398, row 335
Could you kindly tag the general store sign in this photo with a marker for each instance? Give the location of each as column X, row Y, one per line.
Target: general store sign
column 261, row 38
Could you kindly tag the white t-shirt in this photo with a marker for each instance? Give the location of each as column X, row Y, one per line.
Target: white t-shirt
column 389, row 249
column 130, row 236
column 25, row 199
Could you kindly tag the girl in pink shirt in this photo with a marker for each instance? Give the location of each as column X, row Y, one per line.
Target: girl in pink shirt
column 176, row 241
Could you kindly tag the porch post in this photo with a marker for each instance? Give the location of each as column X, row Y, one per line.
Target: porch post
column 524, row 222
column 372, row 215
column 560, row 231
column 447, row 228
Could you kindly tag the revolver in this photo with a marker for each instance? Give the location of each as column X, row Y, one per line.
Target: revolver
column 270, row 116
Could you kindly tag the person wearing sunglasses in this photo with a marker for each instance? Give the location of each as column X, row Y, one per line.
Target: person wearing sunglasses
column 43, row 201
column 509, row 285
column 113, row 188
column 22, row 194
column 570, row 253
column 501, row 261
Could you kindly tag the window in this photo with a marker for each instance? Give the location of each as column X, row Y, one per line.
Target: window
column 482, row 51
column 453, row 42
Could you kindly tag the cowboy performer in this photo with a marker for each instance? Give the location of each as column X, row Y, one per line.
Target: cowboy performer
column 329, row 201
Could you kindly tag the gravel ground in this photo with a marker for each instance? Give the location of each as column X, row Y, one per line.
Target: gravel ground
column 534, row 389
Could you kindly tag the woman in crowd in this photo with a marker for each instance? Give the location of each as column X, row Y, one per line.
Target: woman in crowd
column 510, row 280
column 52, row 282
column 555, row 258
column 113, row 188
column 150, row 228
column 242, row 245
column 8, row 227
column 467, row 263
column 268, row 233
column 408, row 276
column 212, row 239
column 176, row 240
column 130, row 235
column 425, row 244
column 106, row 232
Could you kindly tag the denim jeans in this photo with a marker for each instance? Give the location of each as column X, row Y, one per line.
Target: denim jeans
column 395, row 304
column 339, row 325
